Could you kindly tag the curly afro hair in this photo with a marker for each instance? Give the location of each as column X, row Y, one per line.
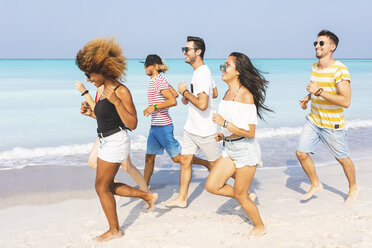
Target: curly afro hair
column 102, row 56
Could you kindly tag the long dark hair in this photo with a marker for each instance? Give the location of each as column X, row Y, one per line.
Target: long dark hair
column 251, row 78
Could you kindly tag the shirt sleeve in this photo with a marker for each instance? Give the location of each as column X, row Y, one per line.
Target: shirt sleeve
column 203, row 82
column 342, row 74
column 161, row 84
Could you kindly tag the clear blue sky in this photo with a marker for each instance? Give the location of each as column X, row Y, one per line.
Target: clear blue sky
column 261, row 29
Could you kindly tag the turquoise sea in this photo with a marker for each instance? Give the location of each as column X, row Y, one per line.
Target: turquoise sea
column 41, row 123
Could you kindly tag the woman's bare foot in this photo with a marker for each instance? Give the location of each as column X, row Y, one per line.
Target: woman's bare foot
column 353, row 194
column 312, row 191
column 108, row 236
column 151, row 201
column 176, row 203
column 257, row 231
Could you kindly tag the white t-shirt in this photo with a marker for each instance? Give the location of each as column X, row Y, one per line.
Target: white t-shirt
column 201, row 122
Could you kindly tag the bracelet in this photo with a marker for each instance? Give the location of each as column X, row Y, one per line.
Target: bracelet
column 82, row 94
column 155, row 106
column 183, row 93
column 318, row 92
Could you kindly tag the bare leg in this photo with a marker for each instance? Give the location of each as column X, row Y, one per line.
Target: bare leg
column 195, row 160
column 135, row 174
column 223, row 169
column 349, row 170
column 92, row 159
column 127, row 166
column 106, row 187
column 104, row 182
column 185, row 178
column 149, row 167
column 309, row 168
column 243, row 180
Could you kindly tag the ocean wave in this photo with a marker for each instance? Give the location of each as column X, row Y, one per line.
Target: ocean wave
column 138, row 143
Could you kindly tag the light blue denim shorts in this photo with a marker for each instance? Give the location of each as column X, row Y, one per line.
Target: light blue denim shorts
column 243, row 152
column 334, row 139
column 160, row 138
column 114, row 148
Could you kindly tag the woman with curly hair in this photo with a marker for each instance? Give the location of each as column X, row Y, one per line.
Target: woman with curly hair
column 238, row 111
column 103, row 63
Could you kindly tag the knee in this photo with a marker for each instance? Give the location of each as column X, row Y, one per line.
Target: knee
column 185, row 162
column 240, row 196
column 101, row 188
column 301, row 155
column 210, row 187
column 177, row 159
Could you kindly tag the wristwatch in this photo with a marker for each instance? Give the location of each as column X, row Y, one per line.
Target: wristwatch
column 225, row 124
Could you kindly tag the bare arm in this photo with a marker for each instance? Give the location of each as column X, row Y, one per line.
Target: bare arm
column 238, row 132
column 200, row 101
column 122, row 99
column 169, row 102
column 215, row 92
column 343, row 97
column 174, row 92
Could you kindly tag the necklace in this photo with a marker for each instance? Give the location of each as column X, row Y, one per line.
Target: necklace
column 236, row 92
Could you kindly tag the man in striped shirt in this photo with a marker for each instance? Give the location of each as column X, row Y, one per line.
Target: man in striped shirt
column 329, row 92
column 161, row 96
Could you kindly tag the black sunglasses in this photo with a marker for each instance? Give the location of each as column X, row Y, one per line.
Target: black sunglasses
column 321, row 43
column 87, row 75
column 187, row 49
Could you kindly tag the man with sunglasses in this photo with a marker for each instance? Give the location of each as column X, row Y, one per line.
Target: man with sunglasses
column 199, row 130
column 329, row 92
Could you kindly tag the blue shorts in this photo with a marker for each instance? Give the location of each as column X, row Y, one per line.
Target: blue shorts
column 160, row 138
column 334, row 139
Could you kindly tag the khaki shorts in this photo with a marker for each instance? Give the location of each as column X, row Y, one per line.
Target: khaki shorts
column 191, row 144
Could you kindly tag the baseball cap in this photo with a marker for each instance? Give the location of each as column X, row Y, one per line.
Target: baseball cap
column 152, row 59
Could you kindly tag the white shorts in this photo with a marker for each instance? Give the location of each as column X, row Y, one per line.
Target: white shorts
column 243, row 152
column 191, row 143
column 114, row 148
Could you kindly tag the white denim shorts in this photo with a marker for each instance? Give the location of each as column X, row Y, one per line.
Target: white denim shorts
column 243, row 152
column 191, row 144
column 114, row 148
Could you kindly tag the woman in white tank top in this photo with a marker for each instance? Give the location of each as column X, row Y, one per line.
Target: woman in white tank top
column 237, row 116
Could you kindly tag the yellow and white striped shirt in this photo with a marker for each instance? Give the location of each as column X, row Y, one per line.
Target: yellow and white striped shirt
column 323, row 113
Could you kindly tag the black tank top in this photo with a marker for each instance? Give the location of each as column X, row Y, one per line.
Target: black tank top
column 107, row 116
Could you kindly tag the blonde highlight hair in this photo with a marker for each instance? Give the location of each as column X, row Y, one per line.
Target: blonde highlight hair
column 161, row 68
column 103, row 56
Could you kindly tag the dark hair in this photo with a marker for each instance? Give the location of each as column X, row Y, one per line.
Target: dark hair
column 251, row 78
column 199, row 44
column 330, row 35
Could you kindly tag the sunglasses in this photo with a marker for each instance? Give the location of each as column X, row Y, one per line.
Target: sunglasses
column 223, row 67
column 321, row 43
column 187, row 49
column 87, row 75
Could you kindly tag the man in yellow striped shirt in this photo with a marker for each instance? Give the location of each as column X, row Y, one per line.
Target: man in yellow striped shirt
column 329, row 92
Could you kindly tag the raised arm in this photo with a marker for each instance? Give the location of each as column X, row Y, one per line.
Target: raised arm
column 169, row 102
column 200, row 101
column 342, row 98
column 122, row 99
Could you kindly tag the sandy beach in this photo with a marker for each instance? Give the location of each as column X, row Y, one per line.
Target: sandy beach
column 58, row 207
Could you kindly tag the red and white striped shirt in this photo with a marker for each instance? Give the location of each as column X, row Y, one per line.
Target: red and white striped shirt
column 159, row 117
